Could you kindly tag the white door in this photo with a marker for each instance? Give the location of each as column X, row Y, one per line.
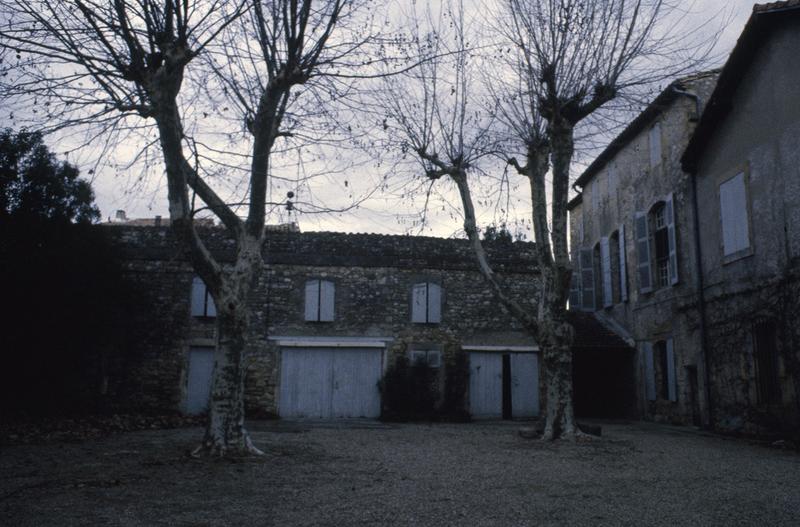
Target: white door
column 324, row 383
column 485, row 385
column 198, row 382
column 524, row 385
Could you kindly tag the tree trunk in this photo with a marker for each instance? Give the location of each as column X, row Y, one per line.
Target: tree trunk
column 555, row 338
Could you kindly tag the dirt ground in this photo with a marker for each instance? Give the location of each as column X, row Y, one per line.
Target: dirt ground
column 376, row 474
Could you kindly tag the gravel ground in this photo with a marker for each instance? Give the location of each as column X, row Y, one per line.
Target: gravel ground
column 376, row 474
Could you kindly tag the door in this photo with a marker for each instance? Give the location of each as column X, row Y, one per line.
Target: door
column 324, row 383
column 198, row 382
column 524, row 385
column 485, row 385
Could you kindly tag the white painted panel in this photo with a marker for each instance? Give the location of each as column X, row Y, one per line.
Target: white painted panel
column 198, row 297
column 434, row 303
column 642, row 235
column 623, row 266
column 733, row 212
column 199, row 377
column 649, row 371
column 312, row 300
column 306, row 383
column 672, row 384
column 325, row 383
column 327, row 301
column 524, row 385
column 605, row 266
column 419, row 301
column 485, row 385
column 356, row 373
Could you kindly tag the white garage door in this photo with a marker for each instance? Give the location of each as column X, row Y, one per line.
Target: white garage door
column 325, row 383
column 486, row 384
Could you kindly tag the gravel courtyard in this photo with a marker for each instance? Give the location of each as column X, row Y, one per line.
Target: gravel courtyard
column 376, row 474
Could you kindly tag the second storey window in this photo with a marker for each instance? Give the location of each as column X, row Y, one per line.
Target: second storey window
column 656, row 246
column 426, row 303
column 319, row 301
column 202, row 303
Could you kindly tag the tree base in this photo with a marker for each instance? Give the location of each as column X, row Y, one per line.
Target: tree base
column 216, row 445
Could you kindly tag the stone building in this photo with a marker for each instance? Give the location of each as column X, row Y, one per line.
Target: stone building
column 330, row 312
column 684, row 237
column 745, row 158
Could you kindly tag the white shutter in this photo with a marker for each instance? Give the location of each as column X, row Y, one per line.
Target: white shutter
column 649, row 371
column 419, row 301
column 326, row 301
column 575, row 290
column 211, row 307
column 623, row 271
column 672, row 384
column 669, row 218
column 312, row 300
column 655, row 145
column 198, row 298
column 605, row 269
column 642, row 234
column 733, row 213
column 587, row 280
column 434, row 303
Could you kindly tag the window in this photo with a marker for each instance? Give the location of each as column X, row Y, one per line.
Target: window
column 656, row 246
column 319, row 301
column 765, row 351
column 202, row 302
column 623, row 271
column 661, row 381
column 430, row 357
column 426, row 303
column 587, row 279
column 614, row 269
column 655, row 145
column 734, row 216
column 606, row 272
column 598, row 272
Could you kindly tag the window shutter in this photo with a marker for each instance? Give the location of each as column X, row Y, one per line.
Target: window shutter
column 733, row 213
column 623, row 271
column 669, row 218
column 643, row 252
column 605, row 266
column 575, row 291
column 312, row 300
column 198, row 298
column 587, row 279
column 211, row 308
column 655, row 145
column 434, row 303
column 326, row 299
column 419, row 301
column 672, row 384
column 649, row 371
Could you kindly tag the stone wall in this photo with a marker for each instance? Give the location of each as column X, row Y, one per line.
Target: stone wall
column 373, row 275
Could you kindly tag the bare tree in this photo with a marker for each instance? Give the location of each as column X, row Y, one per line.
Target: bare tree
column 142, row 66
column 566, row 59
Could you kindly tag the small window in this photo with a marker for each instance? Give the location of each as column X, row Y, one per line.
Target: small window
column 733, row 215
column 661, row 380
column 656, row 246
column 426, row 303
column 319, row 301
column 765, row 350
column 202, row 302
column 655, row 145
column 429, row 357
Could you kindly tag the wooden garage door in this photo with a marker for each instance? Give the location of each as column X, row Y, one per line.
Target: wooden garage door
column 486, row 384
column 325, row 383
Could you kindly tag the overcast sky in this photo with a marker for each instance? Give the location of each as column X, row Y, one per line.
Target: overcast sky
column 390, row 213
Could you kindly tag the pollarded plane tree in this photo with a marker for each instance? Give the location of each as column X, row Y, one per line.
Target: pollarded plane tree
column 556, row 63
column 165, row 66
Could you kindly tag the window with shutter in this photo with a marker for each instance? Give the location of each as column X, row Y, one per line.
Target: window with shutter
column 672, row 248
column 426, row 303
column 672, row 381
column 201, row 301
column 319, row 305
column 649, row 371
column 734, row 215
column 623, row 271
column 575, row 291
